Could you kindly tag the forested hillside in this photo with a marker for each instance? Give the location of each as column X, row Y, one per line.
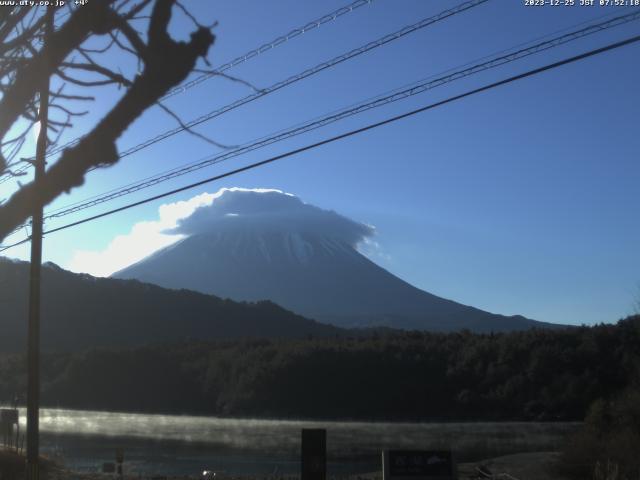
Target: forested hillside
column 80, row 311
column 538, row 374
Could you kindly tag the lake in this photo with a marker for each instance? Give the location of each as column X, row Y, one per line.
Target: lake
column 186, row 445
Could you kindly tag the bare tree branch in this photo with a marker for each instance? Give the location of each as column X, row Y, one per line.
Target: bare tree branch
column 191, row 131
column 139, row 47
column 229, row 77
column 166, row 64
column 11, row 20
column 84, row 83
column 24, row 87
column 72, row 97
column 113, row 77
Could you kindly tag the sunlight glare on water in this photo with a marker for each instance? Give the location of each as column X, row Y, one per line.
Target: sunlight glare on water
column 344, row 438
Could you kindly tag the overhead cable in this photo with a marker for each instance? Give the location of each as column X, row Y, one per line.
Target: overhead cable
column 350, row 133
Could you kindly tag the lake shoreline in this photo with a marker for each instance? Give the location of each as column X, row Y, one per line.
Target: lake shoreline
column 180, row 445
column 524, row 466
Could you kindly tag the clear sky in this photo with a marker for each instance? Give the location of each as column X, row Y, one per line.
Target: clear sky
column 521, row 200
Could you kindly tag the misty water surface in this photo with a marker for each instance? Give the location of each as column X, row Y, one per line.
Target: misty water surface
column 186, row 444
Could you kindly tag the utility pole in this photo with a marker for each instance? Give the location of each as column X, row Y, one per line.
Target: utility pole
column 33, row 342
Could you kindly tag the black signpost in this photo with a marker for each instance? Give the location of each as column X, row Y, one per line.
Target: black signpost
column 314, row 454
column 418, row 465
column 119, row 462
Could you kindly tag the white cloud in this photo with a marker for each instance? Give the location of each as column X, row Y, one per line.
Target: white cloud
column 271, row 211
column 259, row 206
column 373, row 250
column 144, row 238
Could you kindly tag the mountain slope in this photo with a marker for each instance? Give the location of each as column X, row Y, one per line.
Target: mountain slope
column 81, row 311
column 253, row 245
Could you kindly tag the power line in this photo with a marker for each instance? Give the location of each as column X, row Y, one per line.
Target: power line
column 495, row 54
column 273, row 88
column 276, row 42
column 307, row 73
column 268, row 46
column 350, row 133
column 395, row 96
column 289, row 81
column 251, row 54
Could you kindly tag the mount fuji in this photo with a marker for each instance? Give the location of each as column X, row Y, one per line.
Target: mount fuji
column 250, row 245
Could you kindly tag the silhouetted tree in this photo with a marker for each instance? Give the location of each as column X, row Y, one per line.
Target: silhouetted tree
column 80, row 53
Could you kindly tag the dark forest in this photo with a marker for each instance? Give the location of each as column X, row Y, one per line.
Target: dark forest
column 533, row 375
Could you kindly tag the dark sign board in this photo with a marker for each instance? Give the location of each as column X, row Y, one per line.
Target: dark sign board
column 419, row 464
column 314, row 454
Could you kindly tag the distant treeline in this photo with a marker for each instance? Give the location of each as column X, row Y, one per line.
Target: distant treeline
column 532, row 375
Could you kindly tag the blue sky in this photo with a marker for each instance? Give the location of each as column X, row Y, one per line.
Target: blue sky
column 520, row 200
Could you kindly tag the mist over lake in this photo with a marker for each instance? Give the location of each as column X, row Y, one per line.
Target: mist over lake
column 183, row 445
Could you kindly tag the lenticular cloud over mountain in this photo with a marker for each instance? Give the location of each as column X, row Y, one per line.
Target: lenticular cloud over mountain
column 262, row 244
column 270, row 210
